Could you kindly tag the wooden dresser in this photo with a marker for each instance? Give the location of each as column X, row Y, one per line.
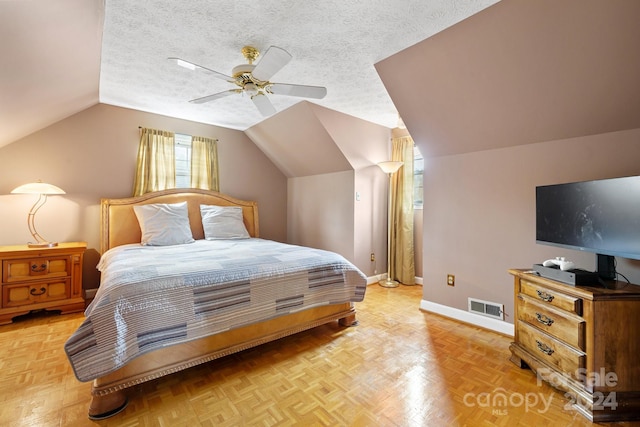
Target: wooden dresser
column 582, row 340
column 41, row 279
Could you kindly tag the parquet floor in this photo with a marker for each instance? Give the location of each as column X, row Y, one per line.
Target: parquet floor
column 399, row 367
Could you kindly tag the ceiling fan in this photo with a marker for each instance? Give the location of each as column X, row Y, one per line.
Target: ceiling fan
column 253, row 80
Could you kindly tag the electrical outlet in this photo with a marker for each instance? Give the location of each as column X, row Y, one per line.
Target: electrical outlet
column 451, row 280
column 373, row 257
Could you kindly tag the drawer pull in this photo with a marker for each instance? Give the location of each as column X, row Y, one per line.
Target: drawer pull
column 545, row 320
column 35, row 292
column 38, row 268
column 544, row 296
column 544, row 348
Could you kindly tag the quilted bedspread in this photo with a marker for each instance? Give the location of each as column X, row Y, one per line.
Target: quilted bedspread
column 153, row 297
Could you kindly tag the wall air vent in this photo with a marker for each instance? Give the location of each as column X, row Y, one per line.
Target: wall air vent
column 486, row 308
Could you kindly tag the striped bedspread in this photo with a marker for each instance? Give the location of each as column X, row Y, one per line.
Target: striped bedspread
column 153, row 297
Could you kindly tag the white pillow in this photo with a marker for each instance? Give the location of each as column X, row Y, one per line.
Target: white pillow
column 223, row 222
column 164, row 224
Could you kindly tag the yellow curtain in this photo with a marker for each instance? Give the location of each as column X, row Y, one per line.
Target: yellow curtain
column 156, row 165
column 204, row 163
column 402, row 266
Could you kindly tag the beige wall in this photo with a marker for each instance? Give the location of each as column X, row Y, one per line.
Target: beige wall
column 370, row 221
column 92, row 155
column 479, row 216
column 344, row 212
column 320, row 212
column 328, row 157
column 417, row 239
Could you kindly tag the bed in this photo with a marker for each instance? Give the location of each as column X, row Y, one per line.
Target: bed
column 209, row 304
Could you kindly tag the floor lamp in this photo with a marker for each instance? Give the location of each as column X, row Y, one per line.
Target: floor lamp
column 389, row 168
column 42, row 189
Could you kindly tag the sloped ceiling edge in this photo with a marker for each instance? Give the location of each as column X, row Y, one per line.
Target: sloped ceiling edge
column 53, row 67
column 518, row 73
column 298, row 143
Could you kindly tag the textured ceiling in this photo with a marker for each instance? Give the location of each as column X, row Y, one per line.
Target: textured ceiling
column 334, row 44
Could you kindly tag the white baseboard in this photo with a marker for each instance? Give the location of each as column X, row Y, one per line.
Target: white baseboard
column 495, row 325
column 378, row 277
column 375, row 279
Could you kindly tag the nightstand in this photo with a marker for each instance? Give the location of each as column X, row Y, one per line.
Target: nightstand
column 41, row 279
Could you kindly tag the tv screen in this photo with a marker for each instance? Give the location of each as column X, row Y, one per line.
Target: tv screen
column 597, row 216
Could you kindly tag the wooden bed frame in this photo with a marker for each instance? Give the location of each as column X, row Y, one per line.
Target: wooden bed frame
column 119, row 227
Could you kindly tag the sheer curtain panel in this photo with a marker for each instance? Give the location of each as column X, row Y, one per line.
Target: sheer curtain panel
column 204, row 163
column 156, row 165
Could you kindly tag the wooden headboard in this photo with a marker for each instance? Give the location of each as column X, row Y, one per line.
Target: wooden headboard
column 119, row 224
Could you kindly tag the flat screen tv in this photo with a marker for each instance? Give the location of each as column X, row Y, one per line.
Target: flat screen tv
column 600, row 216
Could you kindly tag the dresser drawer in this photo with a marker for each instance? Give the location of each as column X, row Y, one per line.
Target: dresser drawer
column 553, row 352
column 567, row 327
column 38, row 292
column 555, row 299
column 21, row 270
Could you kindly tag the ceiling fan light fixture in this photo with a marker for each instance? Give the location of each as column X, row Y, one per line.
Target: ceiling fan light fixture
column 251, row 89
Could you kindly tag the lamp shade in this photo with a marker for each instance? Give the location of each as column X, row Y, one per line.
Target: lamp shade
column 390, row 166
column 37, row 188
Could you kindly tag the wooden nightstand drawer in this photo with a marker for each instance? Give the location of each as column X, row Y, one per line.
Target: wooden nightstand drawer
column 22, row 270
column 556, row 299
column 567, row 327
column 35, row 279
column 550, row 350
column 37, row 292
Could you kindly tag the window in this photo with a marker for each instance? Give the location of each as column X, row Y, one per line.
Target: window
column 418, row 174
column 183, row 160
column 173, row 160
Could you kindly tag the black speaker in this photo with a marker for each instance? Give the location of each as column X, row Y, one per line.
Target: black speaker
column 606, row 267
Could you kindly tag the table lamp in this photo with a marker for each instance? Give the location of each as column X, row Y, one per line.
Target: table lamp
column 42, row 189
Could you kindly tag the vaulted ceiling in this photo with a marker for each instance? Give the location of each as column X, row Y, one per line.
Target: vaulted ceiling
column 50, row 62
column 521, row 72
column 63, row 56
column 465, row 75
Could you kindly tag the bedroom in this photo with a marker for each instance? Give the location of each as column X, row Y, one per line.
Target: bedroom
column 487, row 179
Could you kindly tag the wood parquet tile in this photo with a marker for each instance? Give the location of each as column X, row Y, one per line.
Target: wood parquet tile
column 399, row 367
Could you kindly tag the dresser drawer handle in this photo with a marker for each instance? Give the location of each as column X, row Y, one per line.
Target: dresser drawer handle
column 544, row 348
column 38, row 268
column 545, row 320
column 35, row 292
column 544, row 296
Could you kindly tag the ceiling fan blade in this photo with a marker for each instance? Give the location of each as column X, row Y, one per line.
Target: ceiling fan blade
column 191, row 66
column 263, row 104
column 317, row 92
column 215, row 96
column 273, row 60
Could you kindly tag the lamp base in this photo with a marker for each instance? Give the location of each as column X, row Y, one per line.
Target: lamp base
column 388, row 283
column 43, row 245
